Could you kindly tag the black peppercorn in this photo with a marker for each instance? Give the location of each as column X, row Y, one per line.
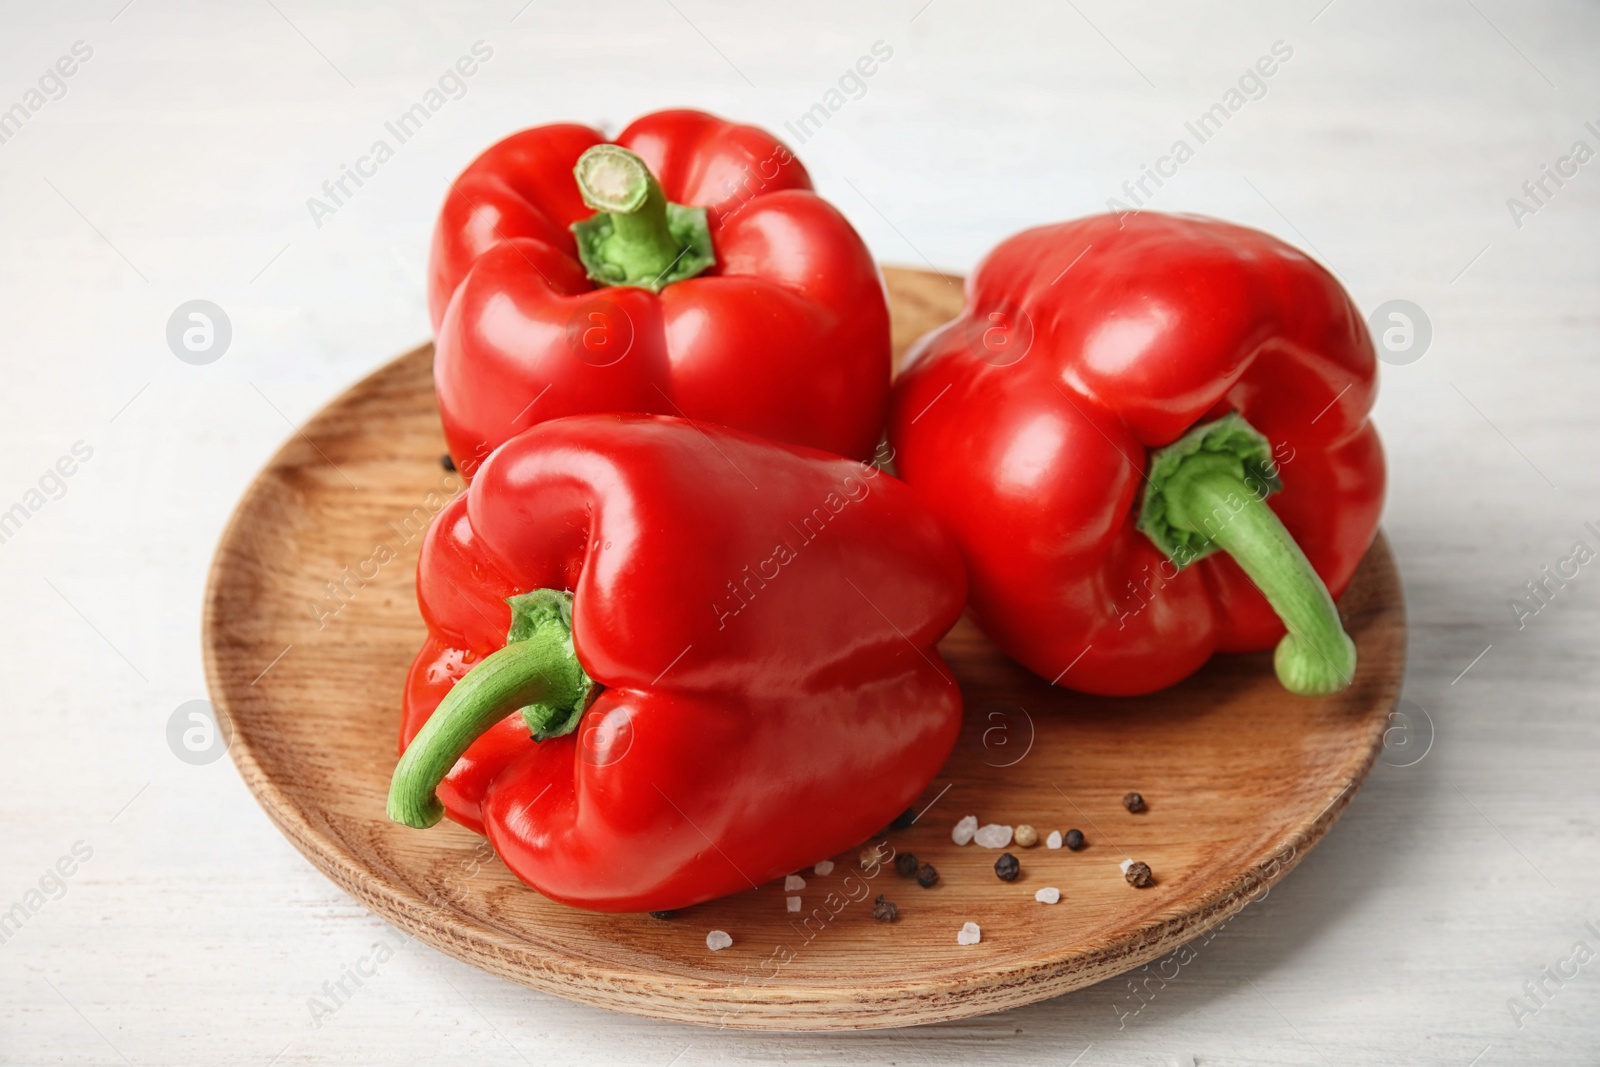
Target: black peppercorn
column 1074, row 840
column 662, row 914
column 927, row 877
column 1006, row 867
column 905, row 865
column 446, row 462
column 1139, row 876
column 1133, row 802
column 884, row 910
column 904, row 819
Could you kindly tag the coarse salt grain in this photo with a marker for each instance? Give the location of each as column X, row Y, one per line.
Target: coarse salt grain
column 793, row 882
column 993, row 836
column 969, row 935
column 793, row 903
column 965, row 830
column 823, row 869
column 1048, row 895
column 717, row 940
column 1054, row 840
column 1126, row 864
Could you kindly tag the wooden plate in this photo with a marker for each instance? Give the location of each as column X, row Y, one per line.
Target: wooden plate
column 311, row 622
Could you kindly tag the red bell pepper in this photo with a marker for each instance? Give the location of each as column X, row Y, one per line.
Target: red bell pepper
column 1123, row 396
column 688, row 269
column 722, row 650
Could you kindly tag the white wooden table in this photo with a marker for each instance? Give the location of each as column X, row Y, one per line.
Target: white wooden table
column 177, row 164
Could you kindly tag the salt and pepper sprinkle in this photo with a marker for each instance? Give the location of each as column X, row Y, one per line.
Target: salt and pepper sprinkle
column 965, row 832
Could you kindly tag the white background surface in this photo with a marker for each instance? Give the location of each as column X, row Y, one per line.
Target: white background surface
column 178, row 166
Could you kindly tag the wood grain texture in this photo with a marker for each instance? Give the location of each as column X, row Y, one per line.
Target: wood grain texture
column 310, row 625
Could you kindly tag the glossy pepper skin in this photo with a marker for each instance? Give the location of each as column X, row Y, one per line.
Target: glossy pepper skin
column 786, row 335
column 762, row 621
column 1030, row 424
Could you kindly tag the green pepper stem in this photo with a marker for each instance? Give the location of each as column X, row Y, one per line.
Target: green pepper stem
column 615, row 181
column 1316, row 657
column 540, row 669
column 637, row 238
